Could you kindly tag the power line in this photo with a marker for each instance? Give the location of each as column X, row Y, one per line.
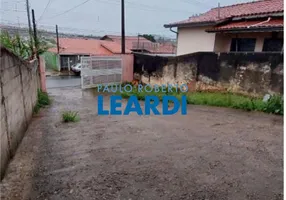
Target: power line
column 3, row 2
column 144, row 6
column 130, row 3
column 45, row 10
column 197, row 2
column 164, row 9
column 71, row 9
column 71, row 30
column 12, row 10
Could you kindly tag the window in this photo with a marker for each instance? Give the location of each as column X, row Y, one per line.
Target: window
column 243, row 44
column 272, row 44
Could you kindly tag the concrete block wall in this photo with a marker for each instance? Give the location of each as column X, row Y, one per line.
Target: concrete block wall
column 19, row 81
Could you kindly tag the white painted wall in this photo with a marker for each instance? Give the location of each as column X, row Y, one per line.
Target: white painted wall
column 195, row 39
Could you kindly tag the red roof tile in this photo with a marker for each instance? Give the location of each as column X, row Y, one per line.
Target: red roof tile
column 130, row 41
column 164, row 48
column 236, row 10
column 88, row 47
column 250, row 24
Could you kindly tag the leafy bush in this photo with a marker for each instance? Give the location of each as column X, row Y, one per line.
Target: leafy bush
column 43, row 100
column 70, row 116
column 20, row 46
column 15, row 44
column 274, row 105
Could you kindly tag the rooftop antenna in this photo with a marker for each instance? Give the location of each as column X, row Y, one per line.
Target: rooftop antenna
column 218, row 11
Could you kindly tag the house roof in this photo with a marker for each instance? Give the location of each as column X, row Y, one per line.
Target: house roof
column 87, row 47
column 164, row 48
column 131, row 42
column 237, row 10
column 135, row 38
column 253, row 24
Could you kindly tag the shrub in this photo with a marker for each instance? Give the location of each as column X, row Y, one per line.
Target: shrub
column 70, row 116
column 274, row 105
column 20, row 46
column 43, row 100
column 237, row 101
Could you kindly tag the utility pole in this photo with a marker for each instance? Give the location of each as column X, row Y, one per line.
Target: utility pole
column 29, row 23
column 58, row 44
column 122, row 27
column 138, row 41
column 218, row 11
column 35, row 35
column 58, row 47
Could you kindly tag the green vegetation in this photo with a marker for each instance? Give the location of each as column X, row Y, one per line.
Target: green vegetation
column 70, row 116
column 273, row 105
column 43, row 100
column 16, row 45
column 149, row 37
column 51, row 61
column 20, row 46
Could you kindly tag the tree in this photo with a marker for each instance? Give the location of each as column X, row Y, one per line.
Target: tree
column 149, row 37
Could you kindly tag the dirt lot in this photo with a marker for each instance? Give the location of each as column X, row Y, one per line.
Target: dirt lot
column 212, row 153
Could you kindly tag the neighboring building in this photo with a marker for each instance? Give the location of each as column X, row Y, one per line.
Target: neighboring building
column 141, row 44
column 71, row 50
column 250, row 27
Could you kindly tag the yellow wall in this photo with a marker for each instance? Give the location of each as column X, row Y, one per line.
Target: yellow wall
column 196, row 39
column 192, row 40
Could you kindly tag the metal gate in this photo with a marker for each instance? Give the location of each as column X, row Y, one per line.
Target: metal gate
column 97, row 70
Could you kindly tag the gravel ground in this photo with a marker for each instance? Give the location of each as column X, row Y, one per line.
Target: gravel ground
column 212, row 153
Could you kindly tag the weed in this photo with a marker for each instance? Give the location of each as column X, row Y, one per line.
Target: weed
column 43, row 100
column 70, row 116
column 21, row 47
column 274, row 105
column 237, row 101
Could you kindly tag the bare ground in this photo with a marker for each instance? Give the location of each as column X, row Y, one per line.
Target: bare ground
column 212, row 153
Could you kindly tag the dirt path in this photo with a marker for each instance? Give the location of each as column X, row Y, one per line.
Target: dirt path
column 213, row 153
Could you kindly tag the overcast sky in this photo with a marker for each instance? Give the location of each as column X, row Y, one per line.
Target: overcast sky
column 99, row 17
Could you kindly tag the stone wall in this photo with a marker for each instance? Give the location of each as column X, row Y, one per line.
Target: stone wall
column 19, row 81
column 255, row 73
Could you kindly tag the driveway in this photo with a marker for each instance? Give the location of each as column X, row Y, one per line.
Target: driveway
column 212, row 153
column 63, row 81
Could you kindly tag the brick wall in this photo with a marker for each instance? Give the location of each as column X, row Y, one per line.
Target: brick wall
column 19, row 81
column 253, row 73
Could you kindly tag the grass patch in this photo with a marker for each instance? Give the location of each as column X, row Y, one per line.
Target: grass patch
column 43, row 100
column 230, row 100
column 70, row 116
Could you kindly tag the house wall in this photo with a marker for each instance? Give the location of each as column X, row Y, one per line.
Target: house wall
column 249, row 73
column 128, row 63
column 223, row 40
column 19, row 82
column 72, row 59
column 192, row 40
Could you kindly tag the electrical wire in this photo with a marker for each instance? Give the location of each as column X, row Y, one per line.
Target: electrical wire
column 136, row 5
column 14, row 10
column 197, row 2
column 70, row 9
column 69, row 30
column 45, row 10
